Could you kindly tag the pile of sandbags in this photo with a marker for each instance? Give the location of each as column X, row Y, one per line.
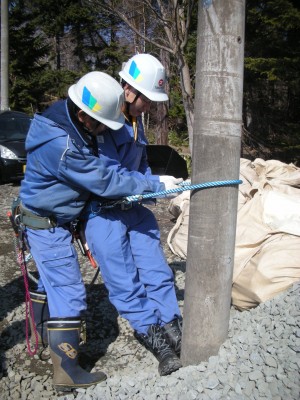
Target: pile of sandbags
column 267, row 248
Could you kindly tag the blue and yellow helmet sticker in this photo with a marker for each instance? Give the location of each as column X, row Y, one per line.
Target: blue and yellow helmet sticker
column 89, row 100
column 135, row 72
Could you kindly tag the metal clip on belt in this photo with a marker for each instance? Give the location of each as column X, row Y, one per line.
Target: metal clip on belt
column 126, row 205
column 33, row 221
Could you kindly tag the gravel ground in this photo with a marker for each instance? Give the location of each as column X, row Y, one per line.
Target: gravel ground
column 259, row 360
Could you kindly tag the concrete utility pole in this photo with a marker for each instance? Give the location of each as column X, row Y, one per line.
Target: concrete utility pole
column 215, row 157
column 4, row 55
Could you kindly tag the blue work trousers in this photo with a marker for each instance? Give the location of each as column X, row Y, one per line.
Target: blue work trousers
column 60, row 277
column 126, row 245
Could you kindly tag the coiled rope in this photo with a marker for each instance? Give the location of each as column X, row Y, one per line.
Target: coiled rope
column 181, row 188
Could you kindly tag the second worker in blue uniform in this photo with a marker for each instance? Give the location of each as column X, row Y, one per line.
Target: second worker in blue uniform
column 126, row 243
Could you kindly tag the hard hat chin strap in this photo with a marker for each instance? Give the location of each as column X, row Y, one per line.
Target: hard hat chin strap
column 128, row 103
column 73, row 111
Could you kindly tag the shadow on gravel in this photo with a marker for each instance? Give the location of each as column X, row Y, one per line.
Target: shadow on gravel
column 11, row 335
column 178, row 266
column 11, row 296
column 101, row 325
column 5, row 247
column 11, row 332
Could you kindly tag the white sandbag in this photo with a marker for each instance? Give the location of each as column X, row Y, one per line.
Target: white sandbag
column 177, row 238
column 281, row 212
column 271, row 270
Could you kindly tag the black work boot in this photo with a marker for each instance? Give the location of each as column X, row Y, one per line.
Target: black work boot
column 40, row 317
column 64, row 338
column 155, row 342
column 173, row 333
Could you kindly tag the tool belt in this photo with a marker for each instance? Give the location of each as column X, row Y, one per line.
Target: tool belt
column 96, row 207
column 33, row 221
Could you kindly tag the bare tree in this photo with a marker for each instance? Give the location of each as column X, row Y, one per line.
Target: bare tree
column 168, row 29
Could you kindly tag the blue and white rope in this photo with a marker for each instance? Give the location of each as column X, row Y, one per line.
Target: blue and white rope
column 183, row 186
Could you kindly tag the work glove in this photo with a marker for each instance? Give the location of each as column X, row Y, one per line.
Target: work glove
column 170, row 182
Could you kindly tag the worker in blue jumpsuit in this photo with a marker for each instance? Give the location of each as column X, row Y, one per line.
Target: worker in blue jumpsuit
column 63, row 169
column 126, row 242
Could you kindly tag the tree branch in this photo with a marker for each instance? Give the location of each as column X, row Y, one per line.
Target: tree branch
column 114, row 10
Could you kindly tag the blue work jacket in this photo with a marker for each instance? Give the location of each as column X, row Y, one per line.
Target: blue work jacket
column 123, row 153
column 62, row 170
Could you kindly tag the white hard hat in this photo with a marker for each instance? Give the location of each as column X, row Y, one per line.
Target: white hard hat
column 147, row 75
column 101, row 97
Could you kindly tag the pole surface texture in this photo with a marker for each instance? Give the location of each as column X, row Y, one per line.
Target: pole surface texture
column 4, row 56
column 215, row 156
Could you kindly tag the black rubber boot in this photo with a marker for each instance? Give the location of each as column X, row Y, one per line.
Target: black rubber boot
column 155, row 342
column 41, row 316
column 173, row 333
column 64, row 338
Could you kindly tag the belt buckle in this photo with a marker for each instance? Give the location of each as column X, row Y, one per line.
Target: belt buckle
column 126, row 205
column 95, row 208
column 52, row 223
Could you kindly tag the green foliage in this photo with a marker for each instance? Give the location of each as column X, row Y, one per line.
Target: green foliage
column 151, row 136
column 272, row 48
column 26, row 51
column 178, row 139
column 188, row 160
column 40, row 72
column 272, row 27
column 54, row 43
column 176, row 113
column 272, row 70
column 56, row 84
column 191, row 47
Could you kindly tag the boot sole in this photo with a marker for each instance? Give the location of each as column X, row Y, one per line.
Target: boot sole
column 70, row 388
column 171, row 367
